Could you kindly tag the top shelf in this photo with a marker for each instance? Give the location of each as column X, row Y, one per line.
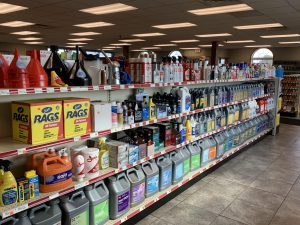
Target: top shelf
column 50, row 90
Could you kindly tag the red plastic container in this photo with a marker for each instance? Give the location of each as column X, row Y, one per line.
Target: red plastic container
column 17, row 74
column 36, row 73
column 3, row 72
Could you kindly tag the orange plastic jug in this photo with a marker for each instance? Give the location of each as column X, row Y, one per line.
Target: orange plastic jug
column 17, row 75
column 36, row 159
column 3, row 72
column 37, row 75
column 54, row 174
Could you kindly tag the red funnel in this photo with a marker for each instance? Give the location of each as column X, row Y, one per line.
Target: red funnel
column 37, row 75
column 3, row 72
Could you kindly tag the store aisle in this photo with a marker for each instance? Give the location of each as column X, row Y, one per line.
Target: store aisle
column 261, row 186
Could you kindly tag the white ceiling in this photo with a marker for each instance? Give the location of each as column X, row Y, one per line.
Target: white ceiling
column 55, row 19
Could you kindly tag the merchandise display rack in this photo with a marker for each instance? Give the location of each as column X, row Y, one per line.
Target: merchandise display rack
column 45, row 197
column 49, row 90
column 10, row 148
column 290, row 95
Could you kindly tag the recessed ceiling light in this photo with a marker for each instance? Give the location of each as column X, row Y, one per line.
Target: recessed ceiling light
column 131, row 40
column 8, row 8
column 220, row 45
column 189, row 48
column 76, row 43
column 281, row 36
column 94, row 24
column 16, row 24
column 120, row 44
column 257, row 46
column 175, row 25
column 137, row 50
column 80, row 39
column 30, row 38
column 214, row 35
column 289, row 42
column 221, row 9
column 259, row 26
column 34, row 43
column 241, row 41
column 111, row 47
column 148, row 35
column 90, row 33
column 70, row 46
column 185, row 41
column 146, row 48
column 164, row 45
column 25, row 32
column 107, row 9
column 108, row 49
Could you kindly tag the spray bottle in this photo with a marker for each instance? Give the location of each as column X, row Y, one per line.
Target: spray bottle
column 8, row 184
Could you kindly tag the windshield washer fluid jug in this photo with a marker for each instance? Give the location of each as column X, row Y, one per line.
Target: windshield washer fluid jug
column 164, row 164
column 151, row 171
column 195, row 152
column 178, row 168
column 186, row 159
column 136, row 178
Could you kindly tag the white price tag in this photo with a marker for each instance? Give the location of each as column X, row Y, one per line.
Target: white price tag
column 22, row 91
column 122, row 86
column 168, row 192
column 107, row 87
column 56, row 195
column 77, row 138
column 21, row 208
column 160, row 84
column 63, row 89
column 155, row 121
column 21, row 151
column 38, row 90
column 96, row 88
column 152, row 85
column 123, row 219
column 133, row 125
column 142, row 208
column 50, row 90
column 4, row 92
column 141, row 124
column 93, row 135
column 131, row 86
column 81, row 185
column 147, row 122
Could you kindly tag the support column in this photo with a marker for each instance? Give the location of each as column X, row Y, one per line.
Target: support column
column 213, row 56
column 126, row 51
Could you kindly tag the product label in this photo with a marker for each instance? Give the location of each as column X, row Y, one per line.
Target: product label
column 166, row 177
column 179, row 171
column 82, row 218
column 212, row 152
column 138, row 193
column 9, row 197
column 236, row 115
column 56, row 178
column 229, row 144
column 186, row 167
column 230, row 118
column 114, row 114
column 123, row 201
column 104, row 161
column 205, row 155
column 145, row 113
column 188, row 103
column 220, row 150
column 195, row 161
column 101, row 212
column 152, row 184
column 138, row 115
column 236, row 140
column 209, row 128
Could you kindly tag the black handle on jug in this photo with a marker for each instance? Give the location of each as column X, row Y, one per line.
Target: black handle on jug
column 77, row 195
column 37, row 209
column 131, row 170
column 9, row 220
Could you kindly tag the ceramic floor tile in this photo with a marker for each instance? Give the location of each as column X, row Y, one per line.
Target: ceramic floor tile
column 165, row 208
column 262, row 198
column 221, row 220
column 247, row 213
column 188, row 214
column 273, row 186
column 149, row 220
column 196, row 187
column 283, row 175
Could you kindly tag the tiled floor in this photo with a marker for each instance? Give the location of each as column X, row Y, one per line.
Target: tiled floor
column 261, row 186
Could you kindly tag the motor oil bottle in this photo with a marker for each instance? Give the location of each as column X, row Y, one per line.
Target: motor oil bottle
column 185, row 97
column 164, row 164
column 8, row 184
column 119, row 195
column 36, row 73
column 186, row 155
column 195, row 153
column 152, row 109
column 136, row 178
column 188, row 126
column 46, row 214
column 98, row 196
column 54, row 174
column 151, row 171
column 75, row 208
column 3, row 72
column 17, row 74
column 178, row 167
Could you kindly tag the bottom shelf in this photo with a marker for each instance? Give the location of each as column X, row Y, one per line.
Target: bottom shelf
column 192, row 175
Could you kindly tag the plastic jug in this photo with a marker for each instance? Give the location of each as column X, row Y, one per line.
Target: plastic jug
column 119, row 195
column 98, row 196
column 46, row 214
column 186, row 155
column 236, row 136
column 204, row 152
column 37, row 75
column 220, row 144
column 136, row 178
column 164, row 164
column 212, row 145
column 9, row 221
column 36, row 159
column 3, row 72
column 23, row 218
column 241, row 130
column 178, row 167
column 185, row 97
column 229, row 140
column 17, row 74
column 195, row 153
column 151, row 171
column 75, row 208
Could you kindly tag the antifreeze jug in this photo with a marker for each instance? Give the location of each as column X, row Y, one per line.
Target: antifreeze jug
column 119, row 195
column 9, row 221
column 186, row 155
column 136, row 178
column 212, row 145
column 236, row 136
column 98, row 196
column 178, row 167
column 195, row 152
column 46, row 214
column 22, row 219
column 220, row 145
column 151, row 171
column 204, row 151
column 229, row 140
column 164, row 164
column 75, row 208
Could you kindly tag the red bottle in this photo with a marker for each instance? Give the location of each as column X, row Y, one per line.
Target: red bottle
column 3, row 72
column 18, row 77
column 36, row 73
